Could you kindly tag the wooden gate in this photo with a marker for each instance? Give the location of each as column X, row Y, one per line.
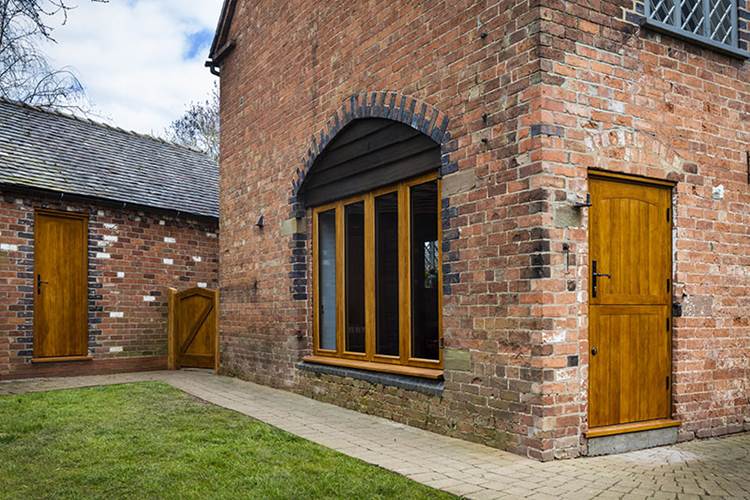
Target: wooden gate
column 193, row 328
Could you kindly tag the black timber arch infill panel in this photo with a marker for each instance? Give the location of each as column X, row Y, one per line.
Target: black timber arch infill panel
column 366, row 154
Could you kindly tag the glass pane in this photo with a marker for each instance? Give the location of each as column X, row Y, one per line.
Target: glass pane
column 354, row 220
column 424, row 271
column 720, row 14
column 663, row 10
column 327, row 279
column 386, row 274
column 692, row 16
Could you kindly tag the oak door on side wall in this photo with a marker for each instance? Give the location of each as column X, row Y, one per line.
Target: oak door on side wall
column 60, row 285
column 629, row 296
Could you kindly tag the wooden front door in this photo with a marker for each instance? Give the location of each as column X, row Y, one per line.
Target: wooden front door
column 60, row 285
column 629, row 295
column 193, row 328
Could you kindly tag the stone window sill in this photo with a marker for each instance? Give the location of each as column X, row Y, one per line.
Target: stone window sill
column 432, row 386
column 409, row 371
column 687, row 36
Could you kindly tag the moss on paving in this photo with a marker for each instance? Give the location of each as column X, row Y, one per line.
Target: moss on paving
column 149, row 440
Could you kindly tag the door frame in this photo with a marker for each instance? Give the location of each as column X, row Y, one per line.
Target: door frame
column 604, row 175
column 85, row 254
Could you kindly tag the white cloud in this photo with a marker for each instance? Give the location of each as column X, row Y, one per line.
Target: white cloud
column 132, row 57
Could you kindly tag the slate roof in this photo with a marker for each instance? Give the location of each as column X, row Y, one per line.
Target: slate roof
column 62, row 153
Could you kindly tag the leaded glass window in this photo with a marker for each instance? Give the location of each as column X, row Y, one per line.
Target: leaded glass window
column 713, row 21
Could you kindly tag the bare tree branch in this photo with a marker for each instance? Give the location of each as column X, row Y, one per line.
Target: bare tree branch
column 25, row 74
column 198, row 128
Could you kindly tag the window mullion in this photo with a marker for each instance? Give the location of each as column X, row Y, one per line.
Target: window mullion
column 735, row 25
column 369, row 276
column 316, row 284
column 404, row 272
column 677, row 14
column 440, row 268
column 706, row 18
column 340, row 266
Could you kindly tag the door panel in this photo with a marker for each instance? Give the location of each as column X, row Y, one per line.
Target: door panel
column 629, row 313
column 628, row 373
column 630, row 242
column 60, row 285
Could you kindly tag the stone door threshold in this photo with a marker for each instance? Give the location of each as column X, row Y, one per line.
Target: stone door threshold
column 648, row 425
column 61, row 359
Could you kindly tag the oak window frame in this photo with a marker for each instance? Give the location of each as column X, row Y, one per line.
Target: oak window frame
column 404, row 363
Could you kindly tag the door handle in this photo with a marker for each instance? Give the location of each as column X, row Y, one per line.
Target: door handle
column 39, row 284
column 594, row 276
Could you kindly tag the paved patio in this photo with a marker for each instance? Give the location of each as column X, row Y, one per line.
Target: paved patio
column 715, row 468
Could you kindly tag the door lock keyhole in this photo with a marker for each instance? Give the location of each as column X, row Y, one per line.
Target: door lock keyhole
column 594, row 351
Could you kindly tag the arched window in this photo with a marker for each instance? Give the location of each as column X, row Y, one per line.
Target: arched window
column 375, row 198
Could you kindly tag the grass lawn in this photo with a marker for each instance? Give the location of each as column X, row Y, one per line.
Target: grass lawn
column 149, row 440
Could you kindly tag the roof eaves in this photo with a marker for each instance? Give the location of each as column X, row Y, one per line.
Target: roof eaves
column 222, row 29
column 24, row 188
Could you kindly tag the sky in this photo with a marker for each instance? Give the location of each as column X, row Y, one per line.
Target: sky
column 140, row 61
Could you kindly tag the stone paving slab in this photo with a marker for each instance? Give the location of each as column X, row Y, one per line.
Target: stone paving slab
column 712, row 468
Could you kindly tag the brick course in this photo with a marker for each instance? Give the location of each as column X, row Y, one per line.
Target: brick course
column 133, row 257
column 533, row 94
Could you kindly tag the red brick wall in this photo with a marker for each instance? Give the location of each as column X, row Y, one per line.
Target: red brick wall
column 128, row 275
column 294, row 66
column 534, row 95
column 632, row 101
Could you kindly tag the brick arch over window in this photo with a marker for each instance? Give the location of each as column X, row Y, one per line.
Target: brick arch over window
column 367, row 154
column 381, row 104
column 407, row 110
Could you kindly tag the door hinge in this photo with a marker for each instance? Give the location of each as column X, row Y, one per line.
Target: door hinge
column 667, row 382
column 441, row 343
column 667, row 324
column 668, row 210
column 669, row 285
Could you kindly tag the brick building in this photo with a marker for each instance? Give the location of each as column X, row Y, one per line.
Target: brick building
column 95, row 224
column 520, row 223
